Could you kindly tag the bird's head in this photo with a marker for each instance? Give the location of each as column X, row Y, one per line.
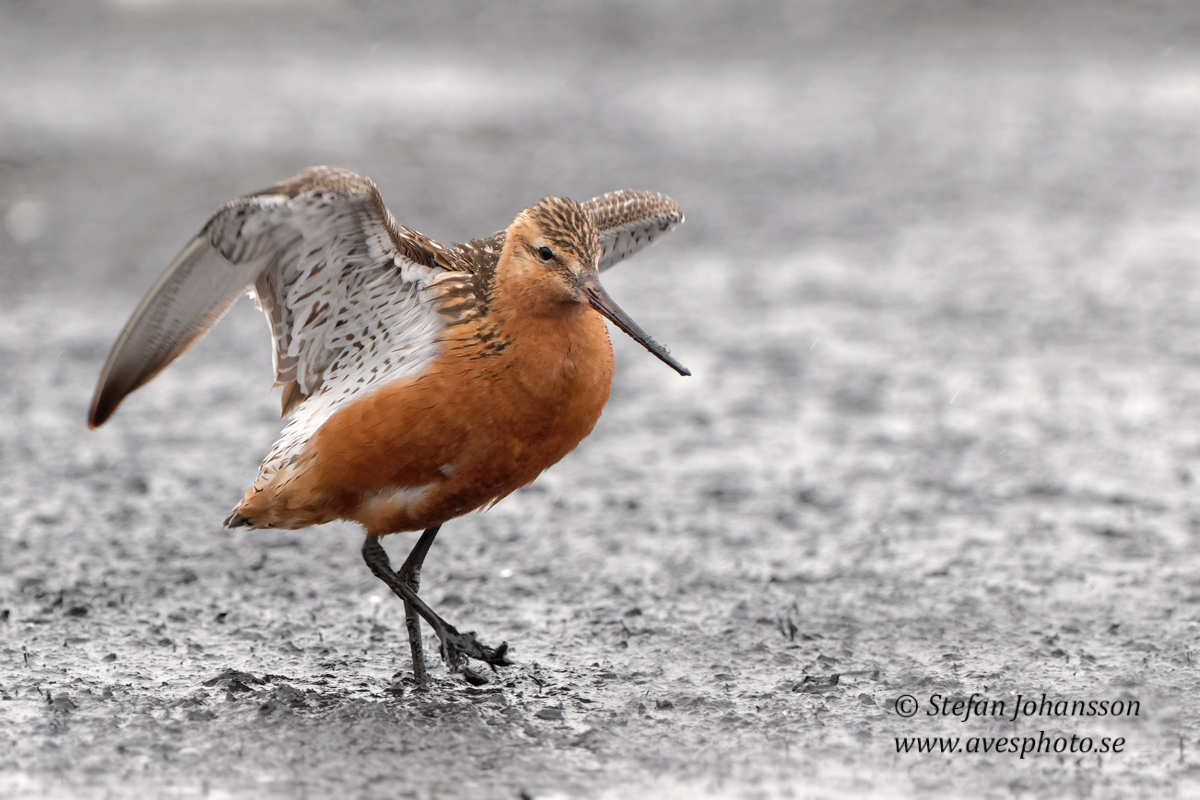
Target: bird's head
column 552, row 248
column 551, row 251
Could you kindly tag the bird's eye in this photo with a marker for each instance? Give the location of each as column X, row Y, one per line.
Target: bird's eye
column 545, row 254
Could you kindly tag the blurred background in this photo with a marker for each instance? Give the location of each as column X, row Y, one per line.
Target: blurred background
column 780, row 126
column 938, row 289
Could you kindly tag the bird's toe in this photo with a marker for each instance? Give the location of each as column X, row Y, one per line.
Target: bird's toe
column 458, row 647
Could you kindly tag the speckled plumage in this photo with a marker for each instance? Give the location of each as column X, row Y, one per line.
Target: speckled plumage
column 420, row 381
column 353, row 299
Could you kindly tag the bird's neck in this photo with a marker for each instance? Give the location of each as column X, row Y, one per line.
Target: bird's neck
column 555, row 348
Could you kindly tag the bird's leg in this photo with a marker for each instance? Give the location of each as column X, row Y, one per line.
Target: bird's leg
column 456, row 647
column 410, row 573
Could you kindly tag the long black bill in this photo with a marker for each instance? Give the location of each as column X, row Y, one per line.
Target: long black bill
column 598, row 299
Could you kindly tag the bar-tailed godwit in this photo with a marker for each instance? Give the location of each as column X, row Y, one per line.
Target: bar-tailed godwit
column 421, row 381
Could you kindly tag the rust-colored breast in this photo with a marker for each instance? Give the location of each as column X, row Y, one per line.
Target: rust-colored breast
column 479, row 423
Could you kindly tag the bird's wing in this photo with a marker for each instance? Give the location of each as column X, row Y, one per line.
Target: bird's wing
column 342, row 285
column 627, row 220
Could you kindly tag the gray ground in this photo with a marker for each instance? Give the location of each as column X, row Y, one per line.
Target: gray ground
column 937, row 287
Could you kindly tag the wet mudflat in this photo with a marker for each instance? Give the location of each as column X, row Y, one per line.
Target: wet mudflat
column 938, row 291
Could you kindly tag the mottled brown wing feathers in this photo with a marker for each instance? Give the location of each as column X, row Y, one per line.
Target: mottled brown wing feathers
column 629, row 220
column 319, row 251
column 626, row 220
column 352, row 298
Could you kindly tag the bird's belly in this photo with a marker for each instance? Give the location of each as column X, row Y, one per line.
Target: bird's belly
column 424, row 450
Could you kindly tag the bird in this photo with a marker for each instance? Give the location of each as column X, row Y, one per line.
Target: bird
column 419, row 381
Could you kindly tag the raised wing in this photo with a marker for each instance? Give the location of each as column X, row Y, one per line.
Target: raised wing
column 628, row 220
column 342, row 286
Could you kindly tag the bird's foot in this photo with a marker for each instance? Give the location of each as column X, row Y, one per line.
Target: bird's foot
column 458, row 647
